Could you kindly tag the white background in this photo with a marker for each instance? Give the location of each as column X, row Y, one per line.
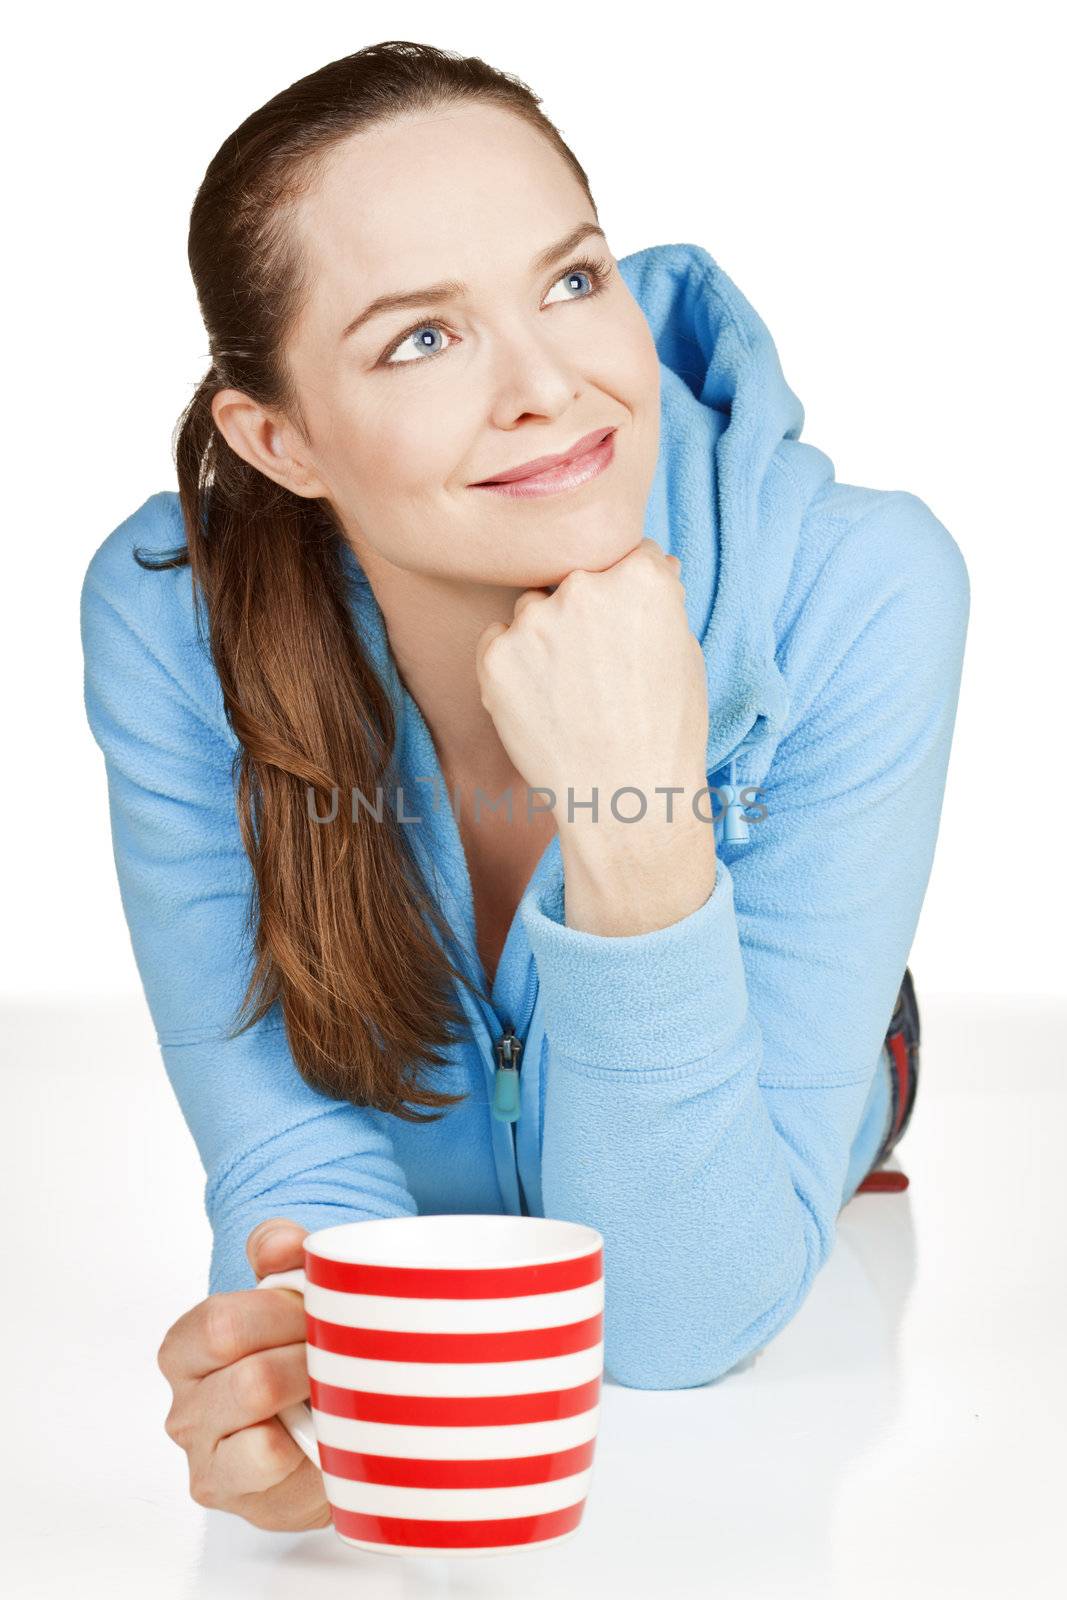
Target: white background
column 884, row 185
column 880, row 182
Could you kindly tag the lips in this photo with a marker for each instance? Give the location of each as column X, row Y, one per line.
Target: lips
column 531, row 469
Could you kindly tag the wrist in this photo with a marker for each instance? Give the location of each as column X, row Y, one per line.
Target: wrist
column 633, row 879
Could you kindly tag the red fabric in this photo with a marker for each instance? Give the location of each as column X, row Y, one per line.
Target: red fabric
column 898, row 1046
column 883, row 1182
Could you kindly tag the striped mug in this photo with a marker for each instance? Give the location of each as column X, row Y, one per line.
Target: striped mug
column 455, row 1364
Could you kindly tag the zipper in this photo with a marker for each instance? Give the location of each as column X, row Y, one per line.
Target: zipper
column 733, row 820
column 508, row 1049
column 506, row 1096
column 506, row 1103
column 506, row 1078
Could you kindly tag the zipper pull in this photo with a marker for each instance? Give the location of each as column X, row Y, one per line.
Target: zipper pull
column 734, row 821
column 506, row 1080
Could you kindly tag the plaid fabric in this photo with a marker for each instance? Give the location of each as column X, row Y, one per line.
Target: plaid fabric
column 902, row 1043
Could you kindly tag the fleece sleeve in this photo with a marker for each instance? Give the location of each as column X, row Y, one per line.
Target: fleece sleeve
column 270, row 1144
column 707, row 1079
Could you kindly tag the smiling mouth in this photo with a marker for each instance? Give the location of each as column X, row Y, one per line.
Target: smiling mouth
column 548, row 464
column 567, row 478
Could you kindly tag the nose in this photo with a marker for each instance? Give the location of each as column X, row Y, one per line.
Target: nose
column 531, row 377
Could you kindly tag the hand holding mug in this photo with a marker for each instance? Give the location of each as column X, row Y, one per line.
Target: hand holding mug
column 233, row 1362
column 453, row 1363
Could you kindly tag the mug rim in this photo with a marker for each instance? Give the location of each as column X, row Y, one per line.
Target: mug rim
column 373, row 1241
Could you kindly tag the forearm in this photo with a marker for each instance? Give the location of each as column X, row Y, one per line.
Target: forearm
column 713, row 1230
column 655, row 1133
column 632, row 878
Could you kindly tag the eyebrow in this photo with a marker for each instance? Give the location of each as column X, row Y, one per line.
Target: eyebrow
column 452, row 289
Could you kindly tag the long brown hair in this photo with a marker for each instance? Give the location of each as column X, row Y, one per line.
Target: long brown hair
column 344, row 931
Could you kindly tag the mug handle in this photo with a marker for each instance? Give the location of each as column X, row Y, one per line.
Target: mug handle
column 296, row 1419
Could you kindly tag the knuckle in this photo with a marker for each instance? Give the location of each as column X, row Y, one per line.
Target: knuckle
column 221, row 1332
column 491, row 653
column 265, row 1513
column 321, row 1519
column 488, row 693
column 256, row 1388
column 202, row 1489
column 272, row 1453
column 569, row 585
column 175, row 1426
column 265, row 1518
column 580, row 592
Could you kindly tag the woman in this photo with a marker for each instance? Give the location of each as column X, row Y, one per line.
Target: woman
column 687, row 1050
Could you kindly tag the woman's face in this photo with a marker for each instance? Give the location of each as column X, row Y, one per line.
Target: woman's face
column 417, row 403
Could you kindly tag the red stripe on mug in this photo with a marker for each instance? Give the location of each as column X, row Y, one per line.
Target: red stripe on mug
column 522, row 1344
column 453, row 1411
column 454, row 1283
column 411, row 1473
column 483, row 1534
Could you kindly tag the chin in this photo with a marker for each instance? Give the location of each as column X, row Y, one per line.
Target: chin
column 596, row 543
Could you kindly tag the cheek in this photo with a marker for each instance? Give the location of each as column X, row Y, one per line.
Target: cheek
column 632, row 373
column 646, row 400
column 646, row 364
column 410, row 448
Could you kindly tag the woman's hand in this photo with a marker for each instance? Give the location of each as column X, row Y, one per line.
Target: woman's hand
column 233, row 1361
column 601, row 686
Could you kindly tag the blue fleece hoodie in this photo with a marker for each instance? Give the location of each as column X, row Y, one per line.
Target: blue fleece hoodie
column 707, row 1095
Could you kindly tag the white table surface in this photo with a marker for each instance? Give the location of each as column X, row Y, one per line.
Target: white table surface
column 903, row 1435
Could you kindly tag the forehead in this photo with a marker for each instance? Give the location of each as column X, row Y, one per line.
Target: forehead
column 425, row 198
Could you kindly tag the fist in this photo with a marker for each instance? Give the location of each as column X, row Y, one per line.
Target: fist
column 601, row 686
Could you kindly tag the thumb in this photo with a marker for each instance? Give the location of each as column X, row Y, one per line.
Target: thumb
column 276, row 1245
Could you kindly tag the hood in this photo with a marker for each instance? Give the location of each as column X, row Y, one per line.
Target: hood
column 731, row 488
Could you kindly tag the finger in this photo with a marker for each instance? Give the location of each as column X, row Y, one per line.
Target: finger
column 255, row 1459
column 529, row 597
column 296, row 1505
column 654, row 548
column 275, row 1245
column 660, row 557
column 227, row 1327
column 254, row 1389
column 644, row 548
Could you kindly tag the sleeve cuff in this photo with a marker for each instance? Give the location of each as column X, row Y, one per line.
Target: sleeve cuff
column 645, row 1000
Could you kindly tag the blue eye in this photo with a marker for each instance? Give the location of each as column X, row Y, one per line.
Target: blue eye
column 577, row 272
column 597, row 273
column 424, row 338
